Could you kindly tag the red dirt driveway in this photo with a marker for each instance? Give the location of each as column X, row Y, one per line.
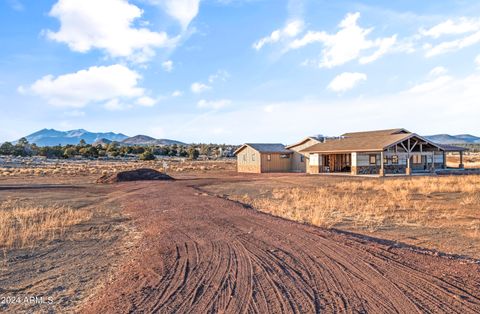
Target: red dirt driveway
column 203, row 254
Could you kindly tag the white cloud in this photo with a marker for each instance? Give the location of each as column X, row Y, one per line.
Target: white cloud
column 269, row 108
column 75, row 113
column 437, row 71
column 107, row 25
column 221, row 75
column 346, row 81
column 477, row 61
column 347, row 44
column 429, row 86
column 176, row 93
column 184, row 11
column 95, row 84
column 290, row 30
column 213, row 104
column 198, row 87
column 146, row 101
column 115, row 105
column 469, row 28
column 167, row 65
column 450, row 27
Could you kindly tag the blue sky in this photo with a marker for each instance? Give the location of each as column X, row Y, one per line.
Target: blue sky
column 233, row 71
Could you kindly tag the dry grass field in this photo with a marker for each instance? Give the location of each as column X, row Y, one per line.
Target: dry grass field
column 470, row 160
column 433, row 212
column 38, row 167
column 24, row 224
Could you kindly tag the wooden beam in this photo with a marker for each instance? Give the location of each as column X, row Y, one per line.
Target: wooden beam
column 411, row 149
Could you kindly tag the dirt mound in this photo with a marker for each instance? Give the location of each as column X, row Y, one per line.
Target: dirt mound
column 134, row 175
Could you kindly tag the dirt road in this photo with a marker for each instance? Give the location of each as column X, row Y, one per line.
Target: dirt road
column 202, row 254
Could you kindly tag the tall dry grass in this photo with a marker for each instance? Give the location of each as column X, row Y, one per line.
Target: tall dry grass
column 373, row 204
column 25, row 224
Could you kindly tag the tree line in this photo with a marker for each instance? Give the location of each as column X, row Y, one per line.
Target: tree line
column 25, row 149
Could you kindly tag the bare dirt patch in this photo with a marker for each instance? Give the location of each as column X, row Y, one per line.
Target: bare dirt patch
column 201, row 254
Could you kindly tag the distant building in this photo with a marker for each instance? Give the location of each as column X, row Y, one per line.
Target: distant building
column 260, row 158
column 393, row 151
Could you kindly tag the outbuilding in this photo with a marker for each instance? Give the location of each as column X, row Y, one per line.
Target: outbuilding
column 261, row 158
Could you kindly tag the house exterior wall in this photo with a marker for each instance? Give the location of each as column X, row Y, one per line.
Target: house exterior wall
column 314, row 163
column 277, row 163
column 361, row 163
column 300, row 161
column 249, row 160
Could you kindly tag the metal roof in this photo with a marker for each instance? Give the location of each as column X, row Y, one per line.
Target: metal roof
column 266, row 148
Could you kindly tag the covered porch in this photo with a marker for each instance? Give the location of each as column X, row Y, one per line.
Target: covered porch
column 331, row 163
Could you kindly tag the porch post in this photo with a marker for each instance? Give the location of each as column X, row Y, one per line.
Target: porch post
column 432, row 167
column 461, row 166
column 382, row 166
column 408, row 170
column 444, row 160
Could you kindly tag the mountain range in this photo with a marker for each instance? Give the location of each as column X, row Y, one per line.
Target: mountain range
column 454, row 139
column 51, row 137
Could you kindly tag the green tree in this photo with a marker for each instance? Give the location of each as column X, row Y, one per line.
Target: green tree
column 147, row 155
column 69, row 152
column 193, row 152
column 22, row 142
column 6, row 148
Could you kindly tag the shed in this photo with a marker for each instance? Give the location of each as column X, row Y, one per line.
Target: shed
column 263, row 157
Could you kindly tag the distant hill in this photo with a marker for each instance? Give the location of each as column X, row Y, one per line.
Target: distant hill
column 147, row 140
column 51, row 137
column 102, row 141
column 454, row 139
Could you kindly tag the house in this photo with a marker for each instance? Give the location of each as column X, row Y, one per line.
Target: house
column 260, row 158
column 393, row 151
column 300, row 160
column 381, row 152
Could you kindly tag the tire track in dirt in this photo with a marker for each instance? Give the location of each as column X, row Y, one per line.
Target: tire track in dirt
column 203, row 254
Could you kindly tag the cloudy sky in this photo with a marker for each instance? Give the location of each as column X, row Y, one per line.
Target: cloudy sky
column 233, row 71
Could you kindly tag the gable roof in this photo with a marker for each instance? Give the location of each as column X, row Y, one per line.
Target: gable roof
column 377, row 133
column 367, row 143
column 310, row 138
column 265, row 148
column 358, row 143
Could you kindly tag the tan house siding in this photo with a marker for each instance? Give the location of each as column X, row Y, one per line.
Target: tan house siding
column 277, row 162
column 249, row 160
column 300, row 164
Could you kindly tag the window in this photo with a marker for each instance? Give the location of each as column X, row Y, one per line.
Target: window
column 253, row 157
column 285, row 156
column 385, row 160
column 373, row 159
column 301, row 158
column 269, row 157
column 417, row 159
column 244, row 157
column 395, row 159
